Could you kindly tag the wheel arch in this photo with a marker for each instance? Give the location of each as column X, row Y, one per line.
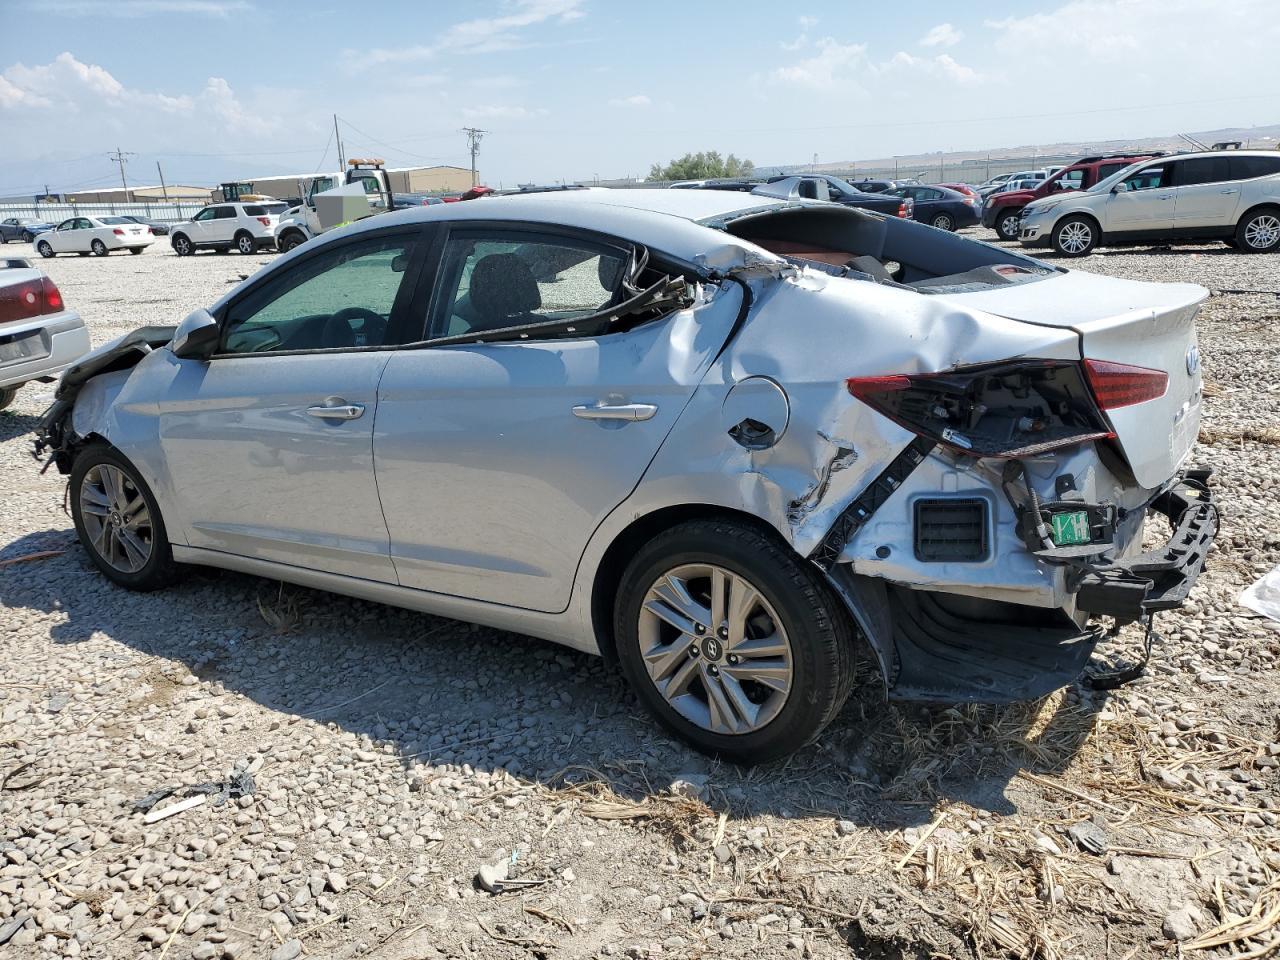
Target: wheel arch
column 1259, row 207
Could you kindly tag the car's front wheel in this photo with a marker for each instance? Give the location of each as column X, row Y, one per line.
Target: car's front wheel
column 182, row 245
column 732, row 641
column 291, row 239
column 1259, row 232
column 1075, row 237
column 44, row 249
column 135, row 250
column 118, row 520
column 943, row 221
column 1008, row 223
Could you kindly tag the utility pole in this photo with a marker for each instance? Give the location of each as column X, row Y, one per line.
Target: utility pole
column 119, row 157
column 474, row 136
column 337, row 137
column 163, row 188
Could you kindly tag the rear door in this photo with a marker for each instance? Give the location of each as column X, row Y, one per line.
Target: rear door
column 1205, row 195
column 1142, row 202
column 496, row 461
column 222, row 228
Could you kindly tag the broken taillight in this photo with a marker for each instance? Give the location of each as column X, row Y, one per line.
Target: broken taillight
column 31, row 299
column 1122, row 385
column 1008, row 409
column 265, row 221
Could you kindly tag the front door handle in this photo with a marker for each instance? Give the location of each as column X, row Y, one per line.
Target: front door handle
column 615, row 411
column 1227, row 191
column 335, row 408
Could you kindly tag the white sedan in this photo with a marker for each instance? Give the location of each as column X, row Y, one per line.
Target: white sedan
column 96, row 235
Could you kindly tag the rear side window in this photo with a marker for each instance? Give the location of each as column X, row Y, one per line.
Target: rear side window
column 114, row 221
column 255, row 211
column 1246, row 168
column 224, row 213
column 1107, row 169
column 1189, row 173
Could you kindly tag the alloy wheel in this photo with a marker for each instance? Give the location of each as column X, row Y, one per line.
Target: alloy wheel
column 245, row 245
column 1075, row 237
column 942, row 222
column 116, row 518
column 1009, row 227
column 1262, row 232
column 715, row 649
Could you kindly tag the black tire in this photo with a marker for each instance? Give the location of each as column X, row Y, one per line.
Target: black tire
column 944, row 221
column 135, row 250
column 1009, row 223
column 1076, row 236
column 182, row 245
column 160, row 569
column 813, row 618
column 27, row 236
column 1259, row 231
column 99, row 248
column 7, row 395
column 245, row 243
column 82, row 253
column 290, row 240
column 221, row 249
column 45, row 250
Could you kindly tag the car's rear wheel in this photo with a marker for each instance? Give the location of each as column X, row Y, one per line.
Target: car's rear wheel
column 245, row 243
column 1259, row 231
column 118, row 520
column 27, row 236
column 1075, row 237
column 135, row 250
column 44, row 249
column 7, row 395
column 99, row 248
column 1008, row 223
column 943, row 221
column 731, row 641
column 182, row 245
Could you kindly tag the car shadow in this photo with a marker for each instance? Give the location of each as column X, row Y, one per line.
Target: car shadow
column 439, row 691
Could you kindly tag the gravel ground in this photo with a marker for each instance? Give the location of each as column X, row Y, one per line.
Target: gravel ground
column 394, row 755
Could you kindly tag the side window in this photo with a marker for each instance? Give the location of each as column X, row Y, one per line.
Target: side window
column 67, row 224
column 1246, row 168
column 492, row 282
column 928, row 194
column 83, row 224
column 1189, row 173
column 224, row 213
column 342, row 298
column 1107, row 169
column 205, row 214
column 1148, row 178
column 1071, row 180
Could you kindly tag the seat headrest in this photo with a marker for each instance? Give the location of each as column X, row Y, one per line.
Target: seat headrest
column 502, row 291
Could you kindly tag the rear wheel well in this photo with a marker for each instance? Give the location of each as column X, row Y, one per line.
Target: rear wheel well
column 1258, row 208
column 604, row 589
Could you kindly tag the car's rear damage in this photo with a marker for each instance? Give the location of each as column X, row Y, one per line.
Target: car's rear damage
column 973, row 465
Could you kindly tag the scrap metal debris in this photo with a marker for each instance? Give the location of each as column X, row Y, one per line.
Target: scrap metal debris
column 239, row 784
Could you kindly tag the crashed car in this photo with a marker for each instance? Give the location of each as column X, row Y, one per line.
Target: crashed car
column 721, row 439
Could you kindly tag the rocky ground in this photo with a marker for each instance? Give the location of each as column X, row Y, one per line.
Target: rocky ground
column 367, row 765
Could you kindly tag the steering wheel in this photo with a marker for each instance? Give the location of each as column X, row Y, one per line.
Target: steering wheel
column 372, row 328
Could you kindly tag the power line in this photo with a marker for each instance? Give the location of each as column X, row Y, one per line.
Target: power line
column 474, row 136
column 119, row 157
column 382, row 143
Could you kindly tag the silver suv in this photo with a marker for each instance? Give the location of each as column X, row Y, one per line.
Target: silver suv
column 1228, row 195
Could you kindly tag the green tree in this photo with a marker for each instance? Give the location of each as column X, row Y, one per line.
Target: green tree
column 701, row 166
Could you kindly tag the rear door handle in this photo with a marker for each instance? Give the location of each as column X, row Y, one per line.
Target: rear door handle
column 1228, row 191
column 615, row 411
column 335, row 408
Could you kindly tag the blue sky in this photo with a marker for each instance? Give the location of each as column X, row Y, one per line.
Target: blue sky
column 569, row 89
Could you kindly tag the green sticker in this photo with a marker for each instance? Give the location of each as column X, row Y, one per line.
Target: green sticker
column 1070, row 529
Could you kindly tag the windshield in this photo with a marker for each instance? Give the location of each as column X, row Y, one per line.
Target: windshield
column 844, row 186
column 1102, row 186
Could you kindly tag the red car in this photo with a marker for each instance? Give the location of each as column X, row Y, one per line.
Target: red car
column 1002, row 211
column 964, row 188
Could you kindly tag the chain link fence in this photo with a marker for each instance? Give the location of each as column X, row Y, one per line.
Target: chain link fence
column 57, row 212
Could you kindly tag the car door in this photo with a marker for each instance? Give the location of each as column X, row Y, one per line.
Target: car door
column 497, row 460
column 200, row 225
column 1142, row 202
column 62, row 238
column 222, row 228
column 269, row 442
column 9, row 229
column 1205, row 196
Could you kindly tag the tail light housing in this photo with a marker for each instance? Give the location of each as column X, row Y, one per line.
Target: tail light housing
column 33, row 298
column 1010, row 409
column 118, row 232
column 1118, row 385
column 265, row 221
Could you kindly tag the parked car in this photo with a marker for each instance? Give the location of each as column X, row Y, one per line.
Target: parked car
column 1003, row 210
column 940, row 207
column 720, row 438
column 740, row 185
column 247, row 227
column 826, row 187
column 39, row 336
column 964, row 188
column 873, row 186
column 1230, row 195
column 22, row 228
column 96, row 235
column 158, row 227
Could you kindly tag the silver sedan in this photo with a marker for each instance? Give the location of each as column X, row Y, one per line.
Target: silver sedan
column 720, row 439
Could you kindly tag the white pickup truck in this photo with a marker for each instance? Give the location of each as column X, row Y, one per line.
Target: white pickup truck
column 334, row 199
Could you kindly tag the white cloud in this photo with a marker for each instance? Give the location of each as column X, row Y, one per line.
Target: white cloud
column 639, row 100
column 501, row 112
column 832, row 62
column 806, row 24
column 481, row 35
column 220, row 9
column 943, row 66
column 943, row 35
column 70, row 84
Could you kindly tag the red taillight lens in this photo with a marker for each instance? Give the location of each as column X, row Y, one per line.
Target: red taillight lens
column 265, row 221
column 30, row 299
column 1122, row 385
column 148, row 229
column 118, row 232
column 902, row 210
column 1009, row 409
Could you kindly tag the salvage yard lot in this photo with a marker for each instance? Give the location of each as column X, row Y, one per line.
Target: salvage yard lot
column 395, row 754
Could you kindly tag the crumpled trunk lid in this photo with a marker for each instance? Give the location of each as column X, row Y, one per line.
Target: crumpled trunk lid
column 1124, row 321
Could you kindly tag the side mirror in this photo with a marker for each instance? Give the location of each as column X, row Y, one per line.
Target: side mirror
column 196, row 337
